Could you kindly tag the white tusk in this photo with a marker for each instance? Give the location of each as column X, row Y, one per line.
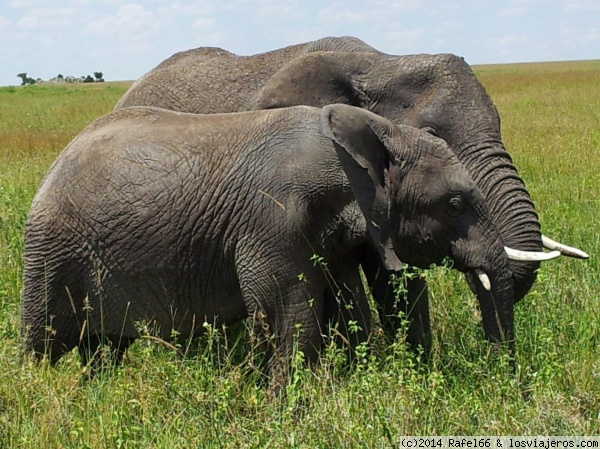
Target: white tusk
column 484, row 279
column 564, row 249
column 531, row 256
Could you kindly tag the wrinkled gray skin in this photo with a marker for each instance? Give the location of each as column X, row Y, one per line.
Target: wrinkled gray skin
column 209, row 80
column 175, row 219
column 438, row 93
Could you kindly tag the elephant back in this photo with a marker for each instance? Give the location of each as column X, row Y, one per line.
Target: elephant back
column 209, row 80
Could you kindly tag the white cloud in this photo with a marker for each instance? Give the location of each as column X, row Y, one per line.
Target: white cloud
column 277, row 9
column 130, row 19
column 209, row 37
column 332, row 14
column 4, row 23
column 575, row 36
column 46, row 41
column 514, row 11
column 127, row 37
column 405, row 40
column 359, row 11
column 541, row 3
column 183, row 8
column 49, row 4
column 511, row 41
column 392, row 6
column 38, row 18
column 23, row 3
column 203, row 23
column 582, row 6
column 593, row 35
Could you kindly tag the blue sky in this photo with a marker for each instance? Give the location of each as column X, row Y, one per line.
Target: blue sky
column 126, row 38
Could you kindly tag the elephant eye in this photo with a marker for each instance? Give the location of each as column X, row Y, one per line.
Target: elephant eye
column 431, row 130
column 457, row 205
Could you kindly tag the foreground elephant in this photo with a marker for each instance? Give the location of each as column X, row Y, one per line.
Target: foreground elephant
column 437, row 93
column 172, row 219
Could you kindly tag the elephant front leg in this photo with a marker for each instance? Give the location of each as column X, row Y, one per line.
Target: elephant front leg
column 416, row 309
column 347, row 309
column 405, row 302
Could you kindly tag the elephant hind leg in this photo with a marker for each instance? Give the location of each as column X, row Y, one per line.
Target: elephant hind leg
column 287, row 312
column 293, row 325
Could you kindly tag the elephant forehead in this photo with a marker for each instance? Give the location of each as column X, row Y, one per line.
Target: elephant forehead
column 442, row 175
column 459, row 179
column 435, row 146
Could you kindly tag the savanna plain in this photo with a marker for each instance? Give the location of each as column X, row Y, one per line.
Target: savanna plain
column 207, row 392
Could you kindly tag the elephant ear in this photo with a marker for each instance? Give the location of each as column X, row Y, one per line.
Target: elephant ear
column 361, row 140
column 316, row 79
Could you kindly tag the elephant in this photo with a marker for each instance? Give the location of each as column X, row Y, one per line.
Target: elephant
column 175, row 219
column 437, row 93
column 213, row 80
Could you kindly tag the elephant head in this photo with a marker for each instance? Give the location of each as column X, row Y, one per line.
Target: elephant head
column 439, row 94
column 422, row 206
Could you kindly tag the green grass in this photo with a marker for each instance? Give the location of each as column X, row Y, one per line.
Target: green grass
column 550, row 115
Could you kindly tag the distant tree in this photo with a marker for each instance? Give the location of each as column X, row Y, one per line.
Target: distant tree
column 60, row 76
column 88, row 79
column 98, row 76
column 25, row 79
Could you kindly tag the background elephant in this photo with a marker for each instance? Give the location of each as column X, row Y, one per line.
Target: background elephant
column 175, row 219
column 437, row 93
column 210, row 80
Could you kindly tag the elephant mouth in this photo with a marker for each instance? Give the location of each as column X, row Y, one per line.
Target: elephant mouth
column 477, row 271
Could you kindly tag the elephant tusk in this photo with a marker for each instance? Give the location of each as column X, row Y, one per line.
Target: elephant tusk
column 531, row 256
column 484, row 279
column 564, row 249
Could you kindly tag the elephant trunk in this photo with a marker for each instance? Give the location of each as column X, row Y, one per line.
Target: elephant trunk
column 496, row 306
column 481, row 255
column 509, row 205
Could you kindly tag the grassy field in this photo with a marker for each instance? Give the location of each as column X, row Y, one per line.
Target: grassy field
column 551, row 125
